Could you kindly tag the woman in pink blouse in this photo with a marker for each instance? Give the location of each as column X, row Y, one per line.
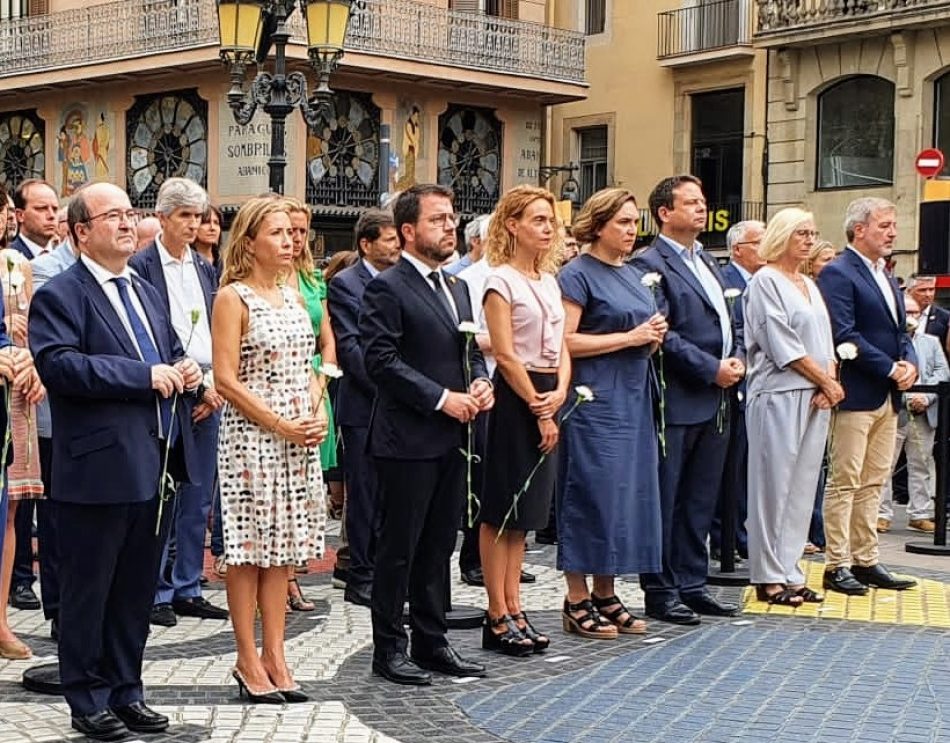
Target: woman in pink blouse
column 525, row 320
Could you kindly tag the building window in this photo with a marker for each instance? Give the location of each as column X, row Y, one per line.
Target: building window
column 942, row 117
column 592, row 146
column 22, row 148
column 501, row 8
column 856, row 134
column 470, row 146
column 595, row 16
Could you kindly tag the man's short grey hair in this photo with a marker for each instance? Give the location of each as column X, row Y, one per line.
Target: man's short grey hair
column 181, row 193
column 737, row 232
column 484, row 225
column 472, row 231
column 860, row 210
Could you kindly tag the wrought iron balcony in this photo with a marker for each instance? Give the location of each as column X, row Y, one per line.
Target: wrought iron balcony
column 130, row 29
column 712, row 30
column 781, row 21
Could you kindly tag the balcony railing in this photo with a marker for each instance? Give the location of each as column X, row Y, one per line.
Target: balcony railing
column 704, row 28
column 782, row 15
column 407, row 29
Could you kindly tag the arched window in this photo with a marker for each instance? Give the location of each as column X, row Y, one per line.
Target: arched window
column 856, row 133
column 942, row 116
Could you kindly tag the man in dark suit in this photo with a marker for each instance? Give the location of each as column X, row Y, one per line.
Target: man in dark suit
column 936, row 319
column 35, row 206
column 111, row 363
column 414, row 354
column 743, row 240
column 867, row 310
column 378, row 247
column 186, row 282
column 35, row 210
column 700, row 368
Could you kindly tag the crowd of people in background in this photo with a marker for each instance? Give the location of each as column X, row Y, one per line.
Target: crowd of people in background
column 163, row 382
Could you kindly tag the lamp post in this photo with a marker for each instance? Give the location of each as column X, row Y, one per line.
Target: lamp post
column 570, row 189
column 247, row 29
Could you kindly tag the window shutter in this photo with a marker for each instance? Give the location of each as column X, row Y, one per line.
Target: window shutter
column 509, row 9
column 467, row 6
column 38, row 7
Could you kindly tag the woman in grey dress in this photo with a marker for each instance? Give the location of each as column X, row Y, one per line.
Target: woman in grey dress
column 791, row 390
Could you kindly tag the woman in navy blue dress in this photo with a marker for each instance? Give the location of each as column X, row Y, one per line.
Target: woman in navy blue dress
column 608, row 496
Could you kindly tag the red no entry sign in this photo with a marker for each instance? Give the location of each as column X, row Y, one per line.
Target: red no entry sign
column 929, row 163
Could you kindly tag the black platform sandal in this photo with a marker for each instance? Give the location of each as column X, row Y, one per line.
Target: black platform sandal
column 590, row 624
column 541, row 642
column 510, row 642
column 629, row 626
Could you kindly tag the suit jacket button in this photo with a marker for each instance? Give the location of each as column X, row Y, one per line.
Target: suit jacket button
column 153, row 433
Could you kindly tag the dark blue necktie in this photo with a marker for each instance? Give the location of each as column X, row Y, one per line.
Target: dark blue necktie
column 146, row 347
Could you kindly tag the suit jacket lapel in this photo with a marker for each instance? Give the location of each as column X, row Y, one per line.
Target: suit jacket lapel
column 105, row 309
column 460, row 295
column 677, row 264
column 205, row 274
column 152, row 312
column 363, row 272
column 426, row 291
column 865, row 272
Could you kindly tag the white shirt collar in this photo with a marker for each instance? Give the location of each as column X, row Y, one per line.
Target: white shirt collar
column 746, row 275
column 167, row 257
column 102, row 274
column 373, row 271
column 873, row 266
column 421, row 267
column 35, row 249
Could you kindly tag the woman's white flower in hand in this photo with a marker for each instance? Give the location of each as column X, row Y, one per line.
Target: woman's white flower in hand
column 584, row 393
column 331, row 370
column 17, row 279
column 468, row 327
column 847, row 351
column 651, row 279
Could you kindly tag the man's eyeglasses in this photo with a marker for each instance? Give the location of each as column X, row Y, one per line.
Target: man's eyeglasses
column 445, row 220
column 116, row 215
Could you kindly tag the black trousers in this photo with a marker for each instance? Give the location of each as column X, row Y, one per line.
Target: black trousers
column 420, row 506
column 109, row 559
column 23, row 574
column 690, row 478
column 362, row 506
column 47, row 536
column 469, row 555
column 735, row 477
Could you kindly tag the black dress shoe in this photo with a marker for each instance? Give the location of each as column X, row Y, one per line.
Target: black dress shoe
column 527, row 577
column 704, row 603
column 400, row 670
column 673, row 612
column 340, row 577
column 163, row 615
column 141, row 719
column 359, row 595
column 880, row 577
column 446, row 660
column 473, row 577
column 22, row 597
column 100, row 726
column 842, row 580
column 198, row 607
column 545, row 536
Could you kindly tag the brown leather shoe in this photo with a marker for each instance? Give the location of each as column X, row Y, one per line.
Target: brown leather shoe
column 883, row 526
column 925, row 525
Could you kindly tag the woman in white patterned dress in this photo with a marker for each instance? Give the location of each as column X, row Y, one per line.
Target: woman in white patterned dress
column 272, row 496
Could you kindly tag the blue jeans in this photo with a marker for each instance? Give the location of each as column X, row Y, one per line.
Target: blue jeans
column 816, row 532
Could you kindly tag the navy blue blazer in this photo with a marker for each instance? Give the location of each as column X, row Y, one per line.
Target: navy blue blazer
column 147, row 263
column 938, row 324
column 18, row 244
column 692, row 349
column 859, row 315
column 354, row 398
column 733, row 279
column 104, row 411
column 413, row 351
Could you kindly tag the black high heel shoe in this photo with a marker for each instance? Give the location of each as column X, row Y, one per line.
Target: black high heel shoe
column 271, row 696
column 510, row 642
column 541, row 642
column 293, row 695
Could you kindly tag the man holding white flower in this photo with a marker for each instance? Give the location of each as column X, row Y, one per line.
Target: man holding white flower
column 869, row 324
column 186, row 283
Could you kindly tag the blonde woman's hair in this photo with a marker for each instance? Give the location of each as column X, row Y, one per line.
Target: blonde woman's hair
column 820, row 247
column 237, row 260
column 501, row 243
column 303, row 262
column 779, row 231
column 598, row 211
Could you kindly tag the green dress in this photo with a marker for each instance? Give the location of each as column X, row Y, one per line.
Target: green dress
column 314, row 291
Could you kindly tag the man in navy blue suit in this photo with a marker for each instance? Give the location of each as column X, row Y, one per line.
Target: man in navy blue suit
column 743, row 240
column 700, row 368
column 415, row 355
column 186, row 284
column 867, row 310
column 36, row 207
column 378, row 247
column 111, row 362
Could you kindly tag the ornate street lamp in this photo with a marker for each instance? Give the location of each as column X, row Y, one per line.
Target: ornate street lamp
column 248, row 29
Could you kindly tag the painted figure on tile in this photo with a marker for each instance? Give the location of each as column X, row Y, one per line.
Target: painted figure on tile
column 100, row 148
column 74, row 151
column 411, row 136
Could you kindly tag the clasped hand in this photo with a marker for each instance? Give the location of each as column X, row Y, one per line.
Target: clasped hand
column 650, row 332
column 16, row 366
column 304, row 431
column 904, row 375
column 828, row 395
column 464, row 406
column 547, row 404
column 169, row 380
column 731, row 371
